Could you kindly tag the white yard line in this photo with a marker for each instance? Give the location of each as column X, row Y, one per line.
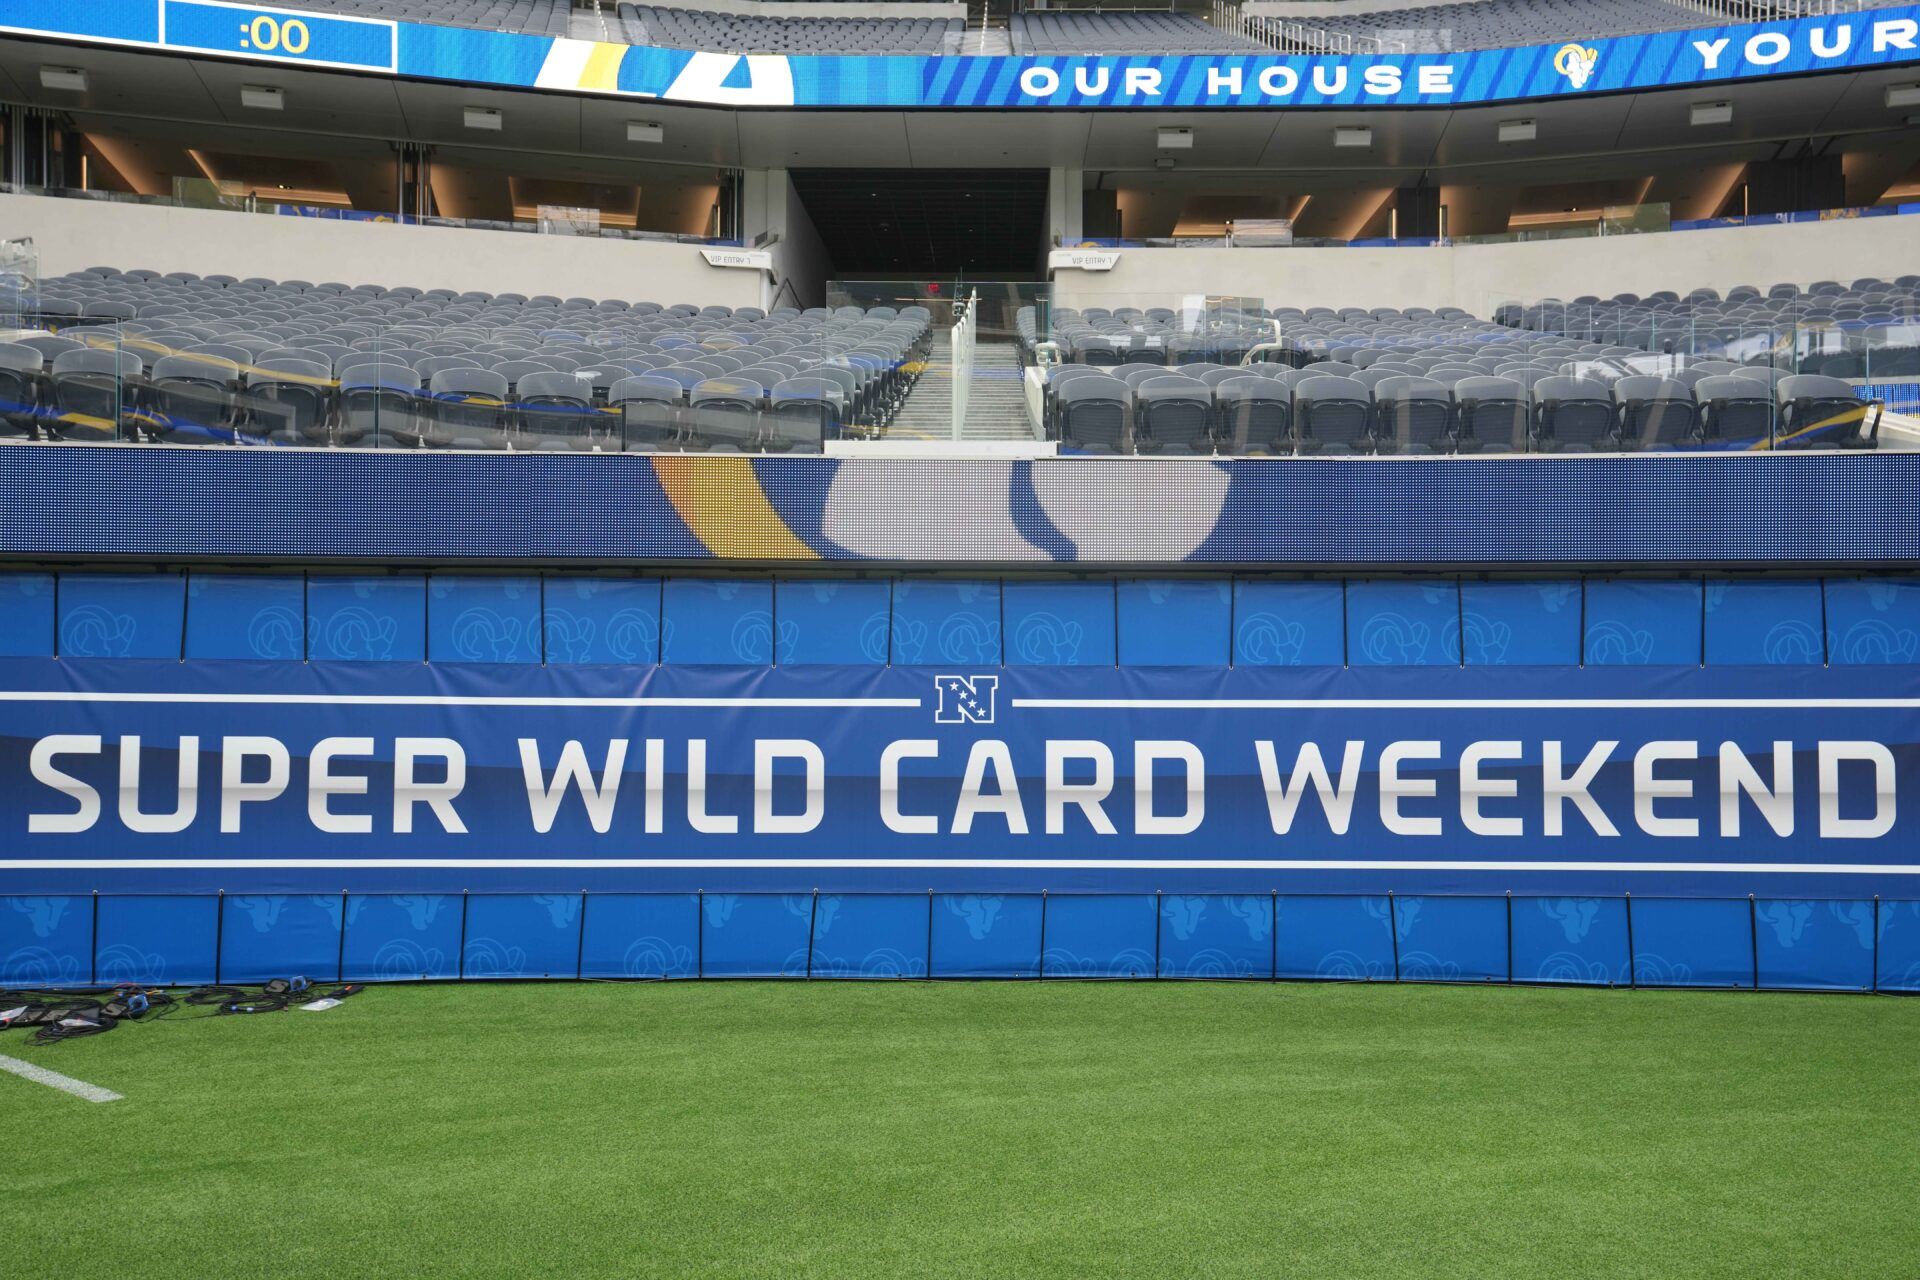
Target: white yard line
column 54, row 1080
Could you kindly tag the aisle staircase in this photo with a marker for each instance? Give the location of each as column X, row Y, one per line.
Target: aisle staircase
column 996, row 399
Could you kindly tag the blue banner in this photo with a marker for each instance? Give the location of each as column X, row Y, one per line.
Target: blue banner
column 319, row 777
column 1668, row 59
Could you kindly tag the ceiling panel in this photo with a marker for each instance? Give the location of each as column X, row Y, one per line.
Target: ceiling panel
column 529, row 121
column 118, row 80
column 692, row 135
column 823, row 139
column 314, row 100
column 1221, row 140
column 973, row 140
column 1591, row 124
column 1401, row 139
column 1657, row 120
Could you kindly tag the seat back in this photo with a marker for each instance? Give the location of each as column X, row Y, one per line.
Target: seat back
column 1735, row 411
column 93, row 390
column 193, row 398
column 556, row 411
column 1094, row 414
column 20, row 387
column 288, row 401
column 467, row 409
column 1492, row 415
column 1655, row 413
column 1255, row 415
column 379, row 404
column 1818, row 412
column 1574, row 414
column 1174, row 414
column 1332, row 415
column 1413, row 415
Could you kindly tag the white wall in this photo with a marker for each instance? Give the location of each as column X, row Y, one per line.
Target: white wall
column 71, row 235
column 1477, row 278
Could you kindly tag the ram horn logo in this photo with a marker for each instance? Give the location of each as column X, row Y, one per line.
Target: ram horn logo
column 1576, row 63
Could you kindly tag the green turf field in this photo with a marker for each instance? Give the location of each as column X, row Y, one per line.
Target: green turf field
column 976, row 1130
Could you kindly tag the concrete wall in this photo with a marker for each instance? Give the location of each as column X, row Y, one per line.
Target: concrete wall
column 1479, row 277
column 74, row 234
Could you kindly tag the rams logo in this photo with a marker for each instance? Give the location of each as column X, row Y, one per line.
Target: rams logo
column 1576, row 63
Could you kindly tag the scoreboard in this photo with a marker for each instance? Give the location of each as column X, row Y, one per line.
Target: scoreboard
column 280, row 35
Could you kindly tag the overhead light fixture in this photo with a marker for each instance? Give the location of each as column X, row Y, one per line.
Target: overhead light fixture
column 1176, row 139
column 483, row 118
column 260, row 97
column 1518, row 131
column 1711, row 113
column 1164, row 162
column 1352, row 136
column 1903, row 95
column 641, row 131
column 65, row 79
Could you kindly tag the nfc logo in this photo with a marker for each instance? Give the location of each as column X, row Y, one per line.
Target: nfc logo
column 965, row 699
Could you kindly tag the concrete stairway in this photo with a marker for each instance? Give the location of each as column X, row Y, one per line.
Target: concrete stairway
column 927, row 413
column 996, row 398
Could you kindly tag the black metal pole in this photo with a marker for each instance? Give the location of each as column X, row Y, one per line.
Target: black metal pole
column 700, row 934
column 461, row 971
column 93, row 945
column 580, row 952
column 340, row 965
column 219, row 933
column 1753, row 938
column 813, row 915
column 1876, row 943
column 929, row 934
column 1393, row 929
column 1509, row 937
column 1040, row 973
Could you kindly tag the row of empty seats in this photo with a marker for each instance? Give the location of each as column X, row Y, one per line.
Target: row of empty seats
column 135, row 355
column 1332, row 407
column 1122, row 33
column 1493, row 24
column 680, row 28
column 534, row 17
column 1867, row 329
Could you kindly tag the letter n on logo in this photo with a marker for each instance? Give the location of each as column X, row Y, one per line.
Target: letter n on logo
column 965, row 699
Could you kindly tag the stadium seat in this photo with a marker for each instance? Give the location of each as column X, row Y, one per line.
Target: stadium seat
column 1332, row 414
column 1574, row 414
column 1818, row 412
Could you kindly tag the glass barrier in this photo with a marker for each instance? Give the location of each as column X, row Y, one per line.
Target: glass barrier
column 179, row 360
column 966, row 382
column 220, row 362
column 1119, row 374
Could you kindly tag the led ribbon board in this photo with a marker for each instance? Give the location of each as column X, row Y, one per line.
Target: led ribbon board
column 1563, row 69
column 279, row 35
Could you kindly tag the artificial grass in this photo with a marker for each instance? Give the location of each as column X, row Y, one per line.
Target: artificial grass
column 980, row 1130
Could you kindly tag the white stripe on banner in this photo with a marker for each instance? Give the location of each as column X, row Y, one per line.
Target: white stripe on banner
column 908, row 704
column 932, row 864
column 425, row 700
column 54, row 1080
column 1442, row 704
column 563, row 65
